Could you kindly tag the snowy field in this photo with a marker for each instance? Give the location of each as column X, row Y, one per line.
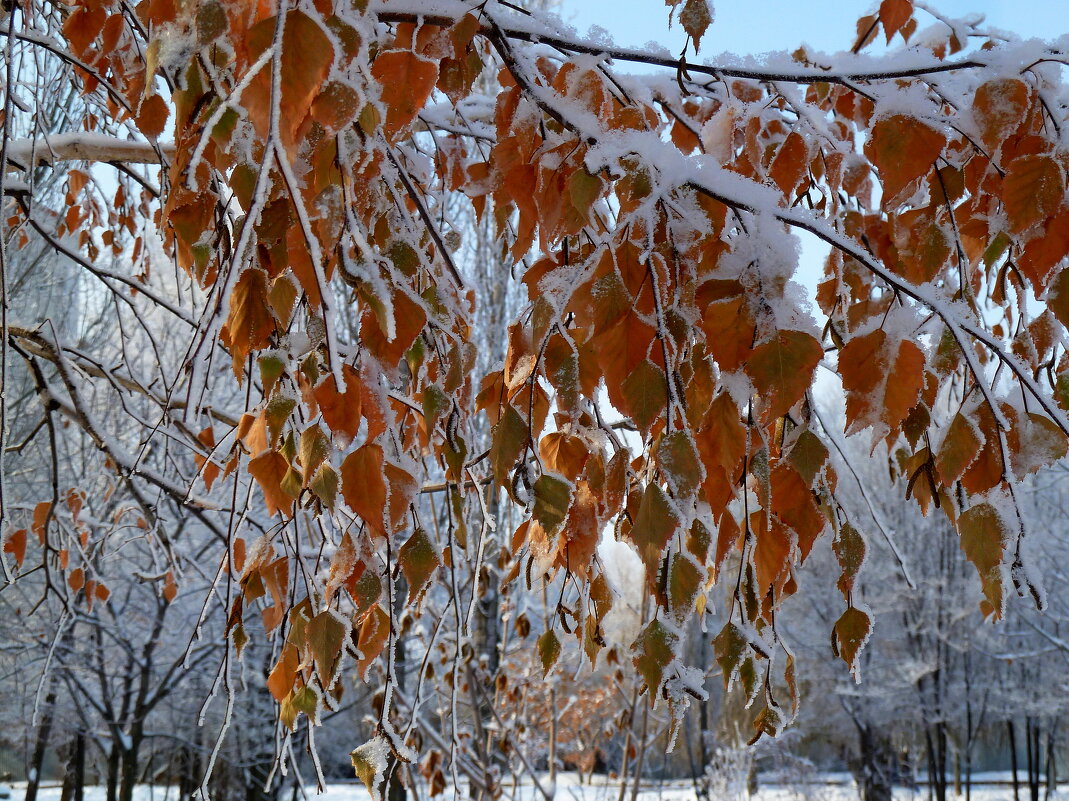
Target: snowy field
column 830, row 787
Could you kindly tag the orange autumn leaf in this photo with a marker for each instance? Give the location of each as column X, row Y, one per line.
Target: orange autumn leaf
column 904, row 150
column 406, row 80
column 363, row 486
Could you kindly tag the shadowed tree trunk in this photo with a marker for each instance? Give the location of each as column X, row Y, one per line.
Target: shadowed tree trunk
column 874, row 767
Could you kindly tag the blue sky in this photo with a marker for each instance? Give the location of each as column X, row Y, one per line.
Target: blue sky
column 757, row 26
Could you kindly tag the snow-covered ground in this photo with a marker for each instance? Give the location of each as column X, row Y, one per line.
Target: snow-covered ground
column 830, row 787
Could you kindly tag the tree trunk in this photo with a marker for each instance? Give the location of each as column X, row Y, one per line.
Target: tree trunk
column 1052, row 763
column 1032, row 738
column 44, row 731
column 941, row 761
column 129, row 771
column 79, row 767
column 1013, row 760
column 113, row 772
column 874, row 766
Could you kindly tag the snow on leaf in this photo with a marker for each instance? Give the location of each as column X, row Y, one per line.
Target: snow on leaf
column 325, row 486
column 695, row 18
column 370, row 761
column 507, row 441
column 730, row 646
column 684, row 583
column 374, row 634
column 999, row 106
column 882, row 382
column 961, row 445
column 1033, row 189
column 678, row 459
column 849, row 547
column 552, row 495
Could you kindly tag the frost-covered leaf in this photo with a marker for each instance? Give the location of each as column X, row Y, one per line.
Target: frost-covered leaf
column 730, row 647
column 654, row 651
column 645, row 394
column 999, row 106
column 850, row 549
column 654, row 525
column 1034, row 188
column 984, row 536
column 904, row 150
column 851, row 632
column 364, row 487
column 325, row 634
column 696, row 17
column 418, row 559
column 679, row 460
column 782, row 370
column 370, row 761
column 406, row 80
column 552, row 496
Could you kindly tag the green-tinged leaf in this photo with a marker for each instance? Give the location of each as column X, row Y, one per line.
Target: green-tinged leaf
column 645, row 394
column 366, row 592
column 654, row 651
column 370, row 762
column 326, row 633
column 769, row 721
column 730, row 647
column 418, row 559
column 271, row 367
column 435, row 404
column 314, row 450
column 684, row 583
column 325, row 486
column 852, row 631
column 654, row 526
column 552, row 495
column 849, row 547
column 782, row 370
column 984, row 535
column 507, row 440
column 679, row 461
column 306, row 700
column 583, row 191
column 549, row 649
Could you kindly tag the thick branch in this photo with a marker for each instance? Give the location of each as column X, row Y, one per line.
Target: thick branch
column 80, row 146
